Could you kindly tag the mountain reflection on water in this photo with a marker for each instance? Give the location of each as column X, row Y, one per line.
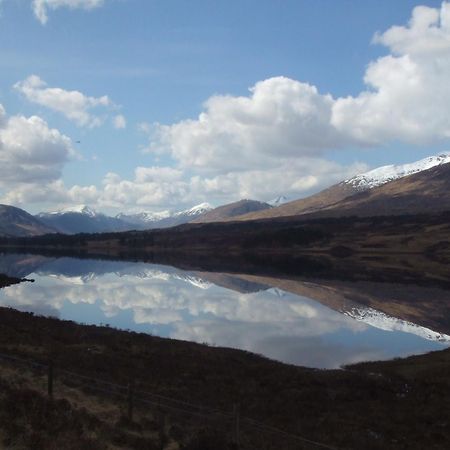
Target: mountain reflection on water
column 304, row 322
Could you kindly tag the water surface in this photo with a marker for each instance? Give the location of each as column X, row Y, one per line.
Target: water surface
column 322, row 328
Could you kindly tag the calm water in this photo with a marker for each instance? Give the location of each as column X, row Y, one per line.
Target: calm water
column 311, row 329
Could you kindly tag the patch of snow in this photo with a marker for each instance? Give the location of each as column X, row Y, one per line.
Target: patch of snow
column 145, row 216
column 385, row 322
column 79, row 209
column 280, row 200
column 196, row 210
column 384, row 174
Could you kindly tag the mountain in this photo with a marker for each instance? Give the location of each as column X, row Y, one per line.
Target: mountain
column 385, row 174
column 143, row 219
column 186, row 216
column 232, row 210
column 82, row 219
column 422, row 192
column 17, row 222
column 364, row 182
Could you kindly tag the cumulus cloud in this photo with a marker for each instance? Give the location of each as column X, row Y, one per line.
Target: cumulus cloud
column 30, row 151
column 281, row 118
column 74, row 105
column 41, row 7
column 408, row 94
column 52, row 193
column 407, row 99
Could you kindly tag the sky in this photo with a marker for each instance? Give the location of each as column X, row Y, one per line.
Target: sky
column 153, row 105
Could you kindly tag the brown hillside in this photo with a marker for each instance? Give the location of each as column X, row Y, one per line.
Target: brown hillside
column 423, row 192
column 232, row 210
column 307, row 205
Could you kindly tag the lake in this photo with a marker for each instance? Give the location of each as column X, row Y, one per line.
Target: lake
column 310, row 322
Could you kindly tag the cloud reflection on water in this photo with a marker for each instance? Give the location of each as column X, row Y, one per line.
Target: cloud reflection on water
column 172, row 303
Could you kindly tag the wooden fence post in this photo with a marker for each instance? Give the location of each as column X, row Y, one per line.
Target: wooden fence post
column 50, row 379
column 162, row 426
column 236, row 425
column 130, row 400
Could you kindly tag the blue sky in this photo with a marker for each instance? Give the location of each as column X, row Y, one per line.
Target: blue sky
column 130, row 105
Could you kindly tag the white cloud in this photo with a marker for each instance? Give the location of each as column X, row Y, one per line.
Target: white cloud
column 282, row 118
column 119, row 122
column 41, row 7
column 50, row 193
column 408, row 96
column 73, row 104
column 30, row 151
column 166, row 187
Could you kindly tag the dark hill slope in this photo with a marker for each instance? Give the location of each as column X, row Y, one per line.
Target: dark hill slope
column 17, row 222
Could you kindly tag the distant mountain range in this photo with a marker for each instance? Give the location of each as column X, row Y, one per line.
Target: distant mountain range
column 418, row 187
column 82, row 219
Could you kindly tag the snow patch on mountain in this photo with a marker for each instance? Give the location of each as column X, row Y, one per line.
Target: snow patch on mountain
column 384, row 174
column 196, row 210
column 280, row 200
column 77, row 209
column 144, row 217
column 385, row 322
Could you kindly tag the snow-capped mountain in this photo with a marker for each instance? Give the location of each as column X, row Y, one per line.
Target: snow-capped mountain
column 384, row 174
column 331, row 200
column 143, row 218
column 81, row 219
column 280, row 200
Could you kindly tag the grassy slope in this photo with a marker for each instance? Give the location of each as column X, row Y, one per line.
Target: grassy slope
column 399, row 404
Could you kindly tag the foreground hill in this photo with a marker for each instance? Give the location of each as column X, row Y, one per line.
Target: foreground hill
column 17, row 222
column 366, row 182
column 380, row 405
column 232, row 210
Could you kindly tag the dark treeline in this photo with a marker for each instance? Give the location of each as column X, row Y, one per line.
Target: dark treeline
column 271, row 234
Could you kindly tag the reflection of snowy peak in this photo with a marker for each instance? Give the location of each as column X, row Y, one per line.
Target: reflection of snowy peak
column 195, row 281
column 141, row 271
column 384, row 174
column 157, row 274
column 382, row 321
column 277, row 292
column 78, row 280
